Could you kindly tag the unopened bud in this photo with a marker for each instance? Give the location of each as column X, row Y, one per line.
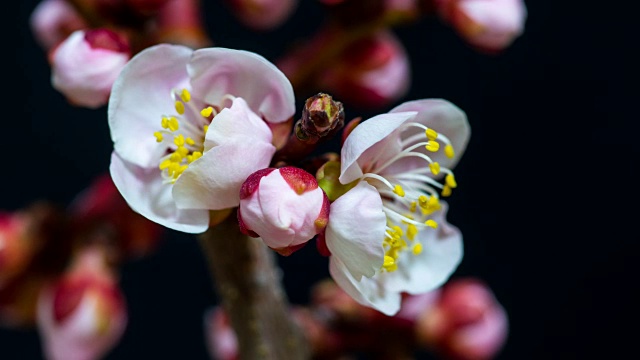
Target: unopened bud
column 53, row 20
column 371, row 73
column 466, row 322
column 321, row 116
column 82, row 315
column 86, row 64
column 262, row 14
column 221, row 339
column 489, row 25
column 285, row 207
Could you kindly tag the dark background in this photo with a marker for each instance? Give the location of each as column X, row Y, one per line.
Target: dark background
column 548, row 186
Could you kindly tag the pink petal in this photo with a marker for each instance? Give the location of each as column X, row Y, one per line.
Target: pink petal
column 145, row 192
column 445, row 118
column 368, row 291
column 213, row 182
column 216, row 72
column 374, row 131
column 441, row 255
column 356, row 230
column 141, row 96
column 236, row 121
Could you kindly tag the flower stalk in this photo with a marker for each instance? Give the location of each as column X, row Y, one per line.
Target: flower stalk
column 248, row 283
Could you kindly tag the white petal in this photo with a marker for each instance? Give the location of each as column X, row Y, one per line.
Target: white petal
column 441, row 255
column 368, row 291
column 146, row 194
column 236, row 121
column 373, row 131
column 213, row 181
column 141, row 96
column 216, row 72
column 355, row 231
column 445, row 118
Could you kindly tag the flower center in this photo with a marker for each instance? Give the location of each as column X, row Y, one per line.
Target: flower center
column 183, row 133
column 410, row 197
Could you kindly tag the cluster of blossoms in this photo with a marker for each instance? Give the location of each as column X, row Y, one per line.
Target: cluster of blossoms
column 192, row 133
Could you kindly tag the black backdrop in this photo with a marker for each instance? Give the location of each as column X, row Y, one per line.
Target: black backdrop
column 547, row 199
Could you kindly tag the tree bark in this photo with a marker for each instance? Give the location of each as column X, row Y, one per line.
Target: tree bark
column 248, row 282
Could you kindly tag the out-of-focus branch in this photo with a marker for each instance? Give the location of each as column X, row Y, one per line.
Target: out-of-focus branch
column 248, row 282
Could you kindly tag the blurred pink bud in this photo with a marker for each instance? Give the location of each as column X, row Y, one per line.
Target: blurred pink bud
column 53, row 20
column 262, row 14
column 15, row 248
column 371, row 73
column 489, row 25
column 465, row 323
column 82, row 316
column 102, row 207
column 285, row 207
column 146, row 7
column 86, row 64
column 221, row 339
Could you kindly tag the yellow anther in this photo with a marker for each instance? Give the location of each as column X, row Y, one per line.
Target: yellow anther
column 179, row 107
column 193, row 157
column 397, row 230
column 450, row 181
column 175, row 158
column 164, row 123
column 173, row 168
column 431, row 223
column 435, row 168
column 158, row 136
column 412, row 206
column 388, row 261
column 446, row 191
column 448, row 151
column 431, row 134
column 179, row 140
column 433, row 203
column 432, row 146
column 165, row 164
column 423, row 200
column 206, row 128
column 206, row 112
column 417, row 249
column 190, row 141
column 173, row 124
column 412, row 231
column 183, row 151
column 398, row 190
column 185, row 95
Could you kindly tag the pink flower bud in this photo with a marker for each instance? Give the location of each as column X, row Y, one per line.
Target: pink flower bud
column 371, row 73
column 285, row 207
column 489, row 25
column 262, row 14
column 86, row 64
column 82, row 315
column 465, row 323
column 221, row 339
column 53, row 20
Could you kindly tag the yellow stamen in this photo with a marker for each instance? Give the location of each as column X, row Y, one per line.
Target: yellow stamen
column 431, row 223
column 417, row 249
column 448, row 151
column 206, row 112
column 435, row 168
column 412, row 231
column 179, row 140
column 388, row 261
column 451, row 181
column 179, row 107
column 190, row 141
column 206, row 128
column 186, row 95
column 412, row 207
column 398, row 190
column 165, row 164
column 446, row 191
column 183, row 151
column 164, row 123
column 431, row 134
column 158, row 136
column 432, row 146
column 173, row 124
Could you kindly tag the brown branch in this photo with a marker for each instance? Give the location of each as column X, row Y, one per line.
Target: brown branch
column 248, row 282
